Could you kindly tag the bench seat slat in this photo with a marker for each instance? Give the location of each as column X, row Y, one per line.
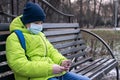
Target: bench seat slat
column 87, row 66
column 102, row 73
column 81, row 62
column 101, row 67
column 89, row 69
column 4, row 67
column 94, row 70
column 7, row 76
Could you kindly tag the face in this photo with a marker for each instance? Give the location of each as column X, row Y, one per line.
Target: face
column 36, row 22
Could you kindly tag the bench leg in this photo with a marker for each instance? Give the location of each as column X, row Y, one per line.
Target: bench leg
column 117, row 71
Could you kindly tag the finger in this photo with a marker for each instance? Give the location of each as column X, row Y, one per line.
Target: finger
column 69, row 61
column 61, row 68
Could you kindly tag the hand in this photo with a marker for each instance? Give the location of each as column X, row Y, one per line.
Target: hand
column 66, row 64
column 58, row 69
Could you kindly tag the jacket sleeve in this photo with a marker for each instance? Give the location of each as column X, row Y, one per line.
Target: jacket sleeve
column 19, row 63
column 54, row 54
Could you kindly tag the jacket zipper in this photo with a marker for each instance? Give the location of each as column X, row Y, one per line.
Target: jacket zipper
column 45, row 46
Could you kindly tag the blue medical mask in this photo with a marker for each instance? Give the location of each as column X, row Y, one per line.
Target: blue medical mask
column 35, row 28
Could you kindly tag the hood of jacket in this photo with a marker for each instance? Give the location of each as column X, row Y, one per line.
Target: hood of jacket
column 17, row 24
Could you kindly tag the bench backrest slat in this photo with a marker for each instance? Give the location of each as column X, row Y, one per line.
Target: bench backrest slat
column 60, row 25
column 76, row 55
column 4, row 67
column 2, row 57
column 72, row 50
column 68, row 44
column 9, row 76
column 62, row 38
column 61, row 32
column 3, row 37
column 4, row 26
column 2, row 46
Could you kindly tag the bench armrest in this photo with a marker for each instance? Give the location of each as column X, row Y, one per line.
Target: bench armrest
column 101, row 40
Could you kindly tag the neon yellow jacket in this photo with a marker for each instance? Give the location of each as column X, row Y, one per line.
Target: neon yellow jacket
column 41, row 55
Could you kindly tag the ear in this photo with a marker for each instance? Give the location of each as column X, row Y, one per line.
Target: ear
column 27, row 25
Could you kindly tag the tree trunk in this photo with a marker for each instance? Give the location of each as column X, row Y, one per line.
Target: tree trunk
column 94, row 12
column 81, row 14
column 88, row 13
column 96, row 19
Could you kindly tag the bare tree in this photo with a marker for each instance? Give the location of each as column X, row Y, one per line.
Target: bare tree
column 96, row 19
column 81, row 13
column 94, row 12
column 88, row 13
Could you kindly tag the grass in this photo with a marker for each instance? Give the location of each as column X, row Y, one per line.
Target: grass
column 108, row 34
